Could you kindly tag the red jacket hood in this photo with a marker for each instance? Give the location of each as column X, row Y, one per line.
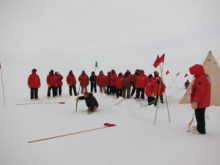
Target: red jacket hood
column 197, row 70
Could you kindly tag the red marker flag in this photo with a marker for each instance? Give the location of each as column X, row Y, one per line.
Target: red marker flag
column 162, row 58
column 177, row 74
column 167, row 72
column 186, row 75
column 156, row 62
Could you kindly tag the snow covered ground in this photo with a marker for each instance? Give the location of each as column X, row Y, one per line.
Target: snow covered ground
column 134, row 140
column 69, row 35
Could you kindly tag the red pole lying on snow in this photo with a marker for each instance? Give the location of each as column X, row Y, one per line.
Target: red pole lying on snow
column 107, row 125
column 42, row 103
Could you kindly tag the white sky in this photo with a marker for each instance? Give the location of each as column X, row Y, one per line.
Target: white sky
column 110, row 26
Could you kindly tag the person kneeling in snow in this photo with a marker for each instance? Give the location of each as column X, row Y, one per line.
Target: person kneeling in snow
column 90, row 100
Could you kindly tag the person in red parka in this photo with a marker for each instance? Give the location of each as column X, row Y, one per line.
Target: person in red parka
column 101, row 82
column 71, row 82
column 113, row 81
column 134, row 81
column 84, row 81
column 161, row 87
column 34, row 83
column 51, row 82
column 59, row 81
column 141, row 84
column 150, row 90
column 120, row 83
column 108, row 83
column 200, row 96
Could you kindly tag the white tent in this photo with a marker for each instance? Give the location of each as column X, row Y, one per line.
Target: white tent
column 213, row 70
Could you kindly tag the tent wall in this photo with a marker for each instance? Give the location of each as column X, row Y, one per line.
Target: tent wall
column 213, row 70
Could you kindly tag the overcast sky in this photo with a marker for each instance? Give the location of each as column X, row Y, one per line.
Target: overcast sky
column 110, row 26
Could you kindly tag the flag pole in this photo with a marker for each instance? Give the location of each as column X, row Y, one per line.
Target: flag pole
column 168, row 112
column 2, row 85
column 156, row 63
column 165, row 96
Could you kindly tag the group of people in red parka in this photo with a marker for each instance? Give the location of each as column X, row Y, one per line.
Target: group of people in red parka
column 125, row 85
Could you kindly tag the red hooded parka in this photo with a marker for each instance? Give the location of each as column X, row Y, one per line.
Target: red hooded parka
column 201, row 87
column 34, row 81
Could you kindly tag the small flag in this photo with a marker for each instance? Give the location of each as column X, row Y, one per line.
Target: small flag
column 0, row 66
column 167, row 72
column 96, row 64
column 186, row 75
column 177, row 74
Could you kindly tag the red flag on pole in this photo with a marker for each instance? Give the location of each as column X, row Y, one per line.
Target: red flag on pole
column 156, row 62
column 162, row 58
column 177, row 74
column 186, row 75
column 167, row 72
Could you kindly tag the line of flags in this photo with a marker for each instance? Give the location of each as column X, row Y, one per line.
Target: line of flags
column 186, row 75
column 156, row 63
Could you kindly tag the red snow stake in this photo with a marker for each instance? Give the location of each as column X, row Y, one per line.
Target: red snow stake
column 107, row 125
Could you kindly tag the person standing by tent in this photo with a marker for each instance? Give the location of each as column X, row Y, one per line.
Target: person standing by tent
column 59, row 79
column 51, row 83
column 84, row 81
column 200, row 97
column 71, row 81
column 92, row 79
column 186, row 84
column 34, row 84
column 90, row 100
